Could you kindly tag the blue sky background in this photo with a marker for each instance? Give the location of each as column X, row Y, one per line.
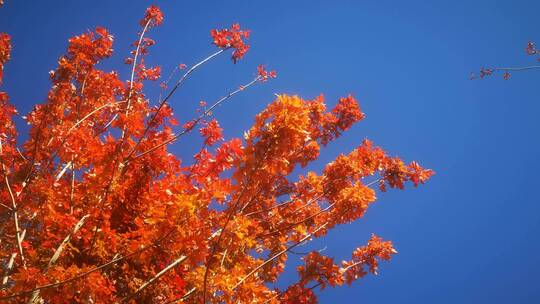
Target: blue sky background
column 471, row 234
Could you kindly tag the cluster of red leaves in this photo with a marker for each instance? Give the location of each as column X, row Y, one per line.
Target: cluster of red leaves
column 84, row 51
column 95, row 209
column 485, row 72
column 324, row 272
column 7, row 127
column 232, row 38
column 396, row 173
column 212, row 132
column 152, row 17
column 328, row 126
column 144, row 73
column 367, row 256
column 141, row 49
column 5, row 51
column 531, row 49
column 264, row 74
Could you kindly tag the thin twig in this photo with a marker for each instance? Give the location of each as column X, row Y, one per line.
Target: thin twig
column 530, row 67
column 92, row 113
column 196, row 121
column 182, row 298
column 169, row 95
column 135, row 65
column 297, row 223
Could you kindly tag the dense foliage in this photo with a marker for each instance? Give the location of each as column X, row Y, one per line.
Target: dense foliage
column 94, row 209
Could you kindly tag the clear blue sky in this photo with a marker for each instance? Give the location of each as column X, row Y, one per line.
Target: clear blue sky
column 471, row 235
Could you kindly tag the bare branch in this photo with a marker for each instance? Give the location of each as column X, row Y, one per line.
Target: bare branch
column 164, row 101
column 174, row 138
column 135, row 65
column 109, row 104
column 515, row 69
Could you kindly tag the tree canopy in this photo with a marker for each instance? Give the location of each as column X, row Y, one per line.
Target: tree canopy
column 94, row 209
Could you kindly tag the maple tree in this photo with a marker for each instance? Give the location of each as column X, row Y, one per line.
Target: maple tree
column 530, row 50
column 94, row 209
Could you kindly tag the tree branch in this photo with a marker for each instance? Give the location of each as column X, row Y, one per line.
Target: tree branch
column 90, row 271
column 156, row 277
column 35, row 295
column 174, row 138
column 515, row 69
column 14, row 209
column 162, row 272
column 164, row 101
column 135, row 65
column 278, row 255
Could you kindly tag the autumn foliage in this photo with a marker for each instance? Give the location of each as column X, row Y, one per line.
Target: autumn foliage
column 94, row 209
